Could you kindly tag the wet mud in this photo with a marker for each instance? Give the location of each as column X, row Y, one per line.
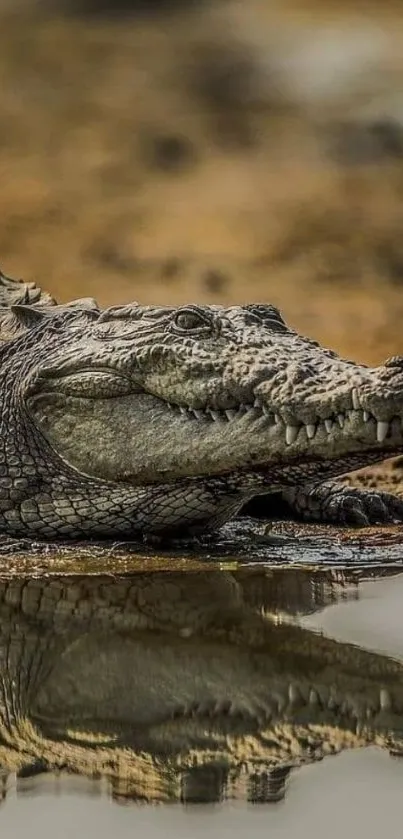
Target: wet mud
column 240, row 544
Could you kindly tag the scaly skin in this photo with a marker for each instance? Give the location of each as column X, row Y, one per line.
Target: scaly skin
column 149, row 679
column 150, row 420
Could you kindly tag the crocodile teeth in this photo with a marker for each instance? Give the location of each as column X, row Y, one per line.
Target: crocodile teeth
column 291, row 431
column 313, row 697
column 385, row 700
column 291, row 434
column 382, row 429
column 294, row 694
column 356, row 401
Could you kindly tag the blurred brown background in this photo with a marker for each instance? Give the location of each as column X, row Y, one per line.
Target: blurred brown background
column 220, row 152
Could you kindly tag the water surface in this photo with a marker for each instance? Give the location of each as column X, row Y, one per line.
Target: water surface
column 180, row 693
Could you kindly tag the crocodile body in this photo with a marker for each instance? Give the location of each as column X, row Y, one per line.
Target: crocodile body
column 170, row 683
column 153, row 420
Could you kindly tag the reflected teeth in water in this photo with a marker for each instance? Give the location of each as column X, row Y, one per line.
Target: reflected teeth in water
column 382, row 429
column 294, row 694
column 215, row 415
column 313, row 697
column 385, row 700
column 231, row 414
column 290, row 699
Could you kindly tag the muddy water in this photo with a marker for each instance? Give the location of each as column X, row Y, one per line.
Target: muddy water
column 253, row 686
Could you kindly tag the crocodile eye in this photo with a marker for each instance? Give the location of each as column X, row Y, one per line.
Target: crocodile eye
column 189, row 320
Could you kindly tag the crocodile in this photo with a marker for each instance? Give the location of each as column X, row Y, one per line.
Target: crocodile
column 159, row 421
column 172, row 686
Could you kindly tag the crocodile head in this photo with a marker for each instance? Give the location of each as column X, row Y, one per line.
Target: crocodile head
column 145, row 396
column 156, row 393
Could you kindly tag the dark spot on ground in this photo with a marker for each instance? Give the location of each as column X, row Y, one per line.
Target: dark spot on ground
column 168, row 153
column 171, row 269
column 215, row 280
column 224, row 80
column 356, row 143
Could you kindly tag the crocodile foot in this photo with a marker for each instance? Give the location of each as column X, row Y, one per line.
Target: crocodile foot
column 335, row 503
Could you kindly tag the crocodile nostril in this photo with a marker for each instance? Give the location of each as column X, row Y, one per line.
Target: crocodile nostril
column 394, row 361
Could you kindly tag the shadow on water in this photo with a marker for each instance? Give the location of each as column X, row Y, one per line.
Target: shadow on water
column 195, row 686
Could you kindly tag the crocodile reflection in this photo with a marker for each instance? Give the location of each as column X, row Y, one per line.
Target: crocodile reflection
column 181, row 686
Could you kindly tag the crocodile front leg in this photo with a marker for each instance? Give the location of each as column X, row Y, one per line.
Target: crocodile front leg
column 337, row 503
